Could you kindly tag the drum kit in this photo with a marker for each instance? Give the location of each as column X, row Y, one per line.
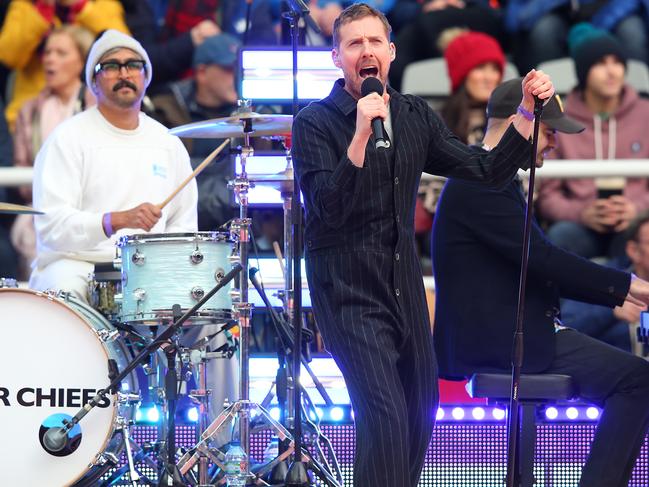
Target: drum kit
column 169, row 282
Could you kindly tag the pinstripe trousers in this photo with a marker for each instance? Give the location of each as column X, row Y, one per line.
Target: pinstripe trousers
column 385, row 352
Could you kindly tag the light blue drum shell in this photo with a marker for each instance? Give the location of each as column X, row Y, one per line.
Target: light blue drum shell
column 167, row 269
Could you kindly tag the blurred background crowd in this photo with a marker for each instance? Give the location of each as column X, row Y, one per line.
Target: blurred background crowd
column 453, row 52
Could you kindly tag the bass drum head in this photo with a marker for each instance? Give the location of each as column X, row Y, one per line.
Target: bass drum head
column 52, row 363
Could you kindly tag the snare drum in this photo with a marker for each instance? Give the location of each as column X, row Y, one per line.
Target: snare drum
column 56, row 359
column 160, row 270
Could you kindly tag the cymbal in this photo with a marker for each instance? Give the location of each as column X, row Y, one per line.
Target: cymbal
column 17, row 209
column 221, row 128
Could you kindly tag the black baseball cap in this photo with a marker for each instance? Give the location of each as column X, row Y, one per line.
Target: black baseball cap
column 504, row 101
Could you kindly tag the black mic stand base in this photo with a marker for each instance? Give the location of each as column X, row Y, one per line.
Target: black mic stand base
column 278, row 475
column 297, row 475
column 170, row 477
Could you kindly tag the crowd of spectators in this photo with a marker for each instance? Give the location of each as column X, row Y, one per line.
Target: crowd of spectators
column 193, row 48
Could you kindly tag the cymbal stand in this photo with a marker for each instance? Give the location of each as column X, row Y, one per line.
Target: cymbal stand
column 241, row 409
column 286, row 401
column 243, row 308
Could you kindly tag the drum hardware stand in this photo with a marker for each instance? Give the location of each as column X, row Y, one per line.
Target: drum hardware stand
column 56, row 438
column 197, row 356
column 285, row 348
column 134, row 454
column 233, row 411
column 134, row 476
column 243, row 408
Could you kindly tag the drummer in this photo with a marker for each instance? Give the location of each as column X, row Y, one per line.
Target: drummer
column 101, row 173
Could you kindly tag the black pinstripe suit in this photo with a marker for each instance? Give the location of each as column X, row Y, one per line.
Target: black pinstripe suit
column 363, row 272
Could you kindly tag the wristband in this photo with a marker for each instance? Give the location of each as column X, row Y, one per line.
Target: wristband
column 528, row 115
column 106, row 223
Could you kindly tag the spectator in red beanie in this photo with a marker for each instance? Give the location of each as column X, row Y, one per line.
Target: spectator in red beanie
column 475, row 64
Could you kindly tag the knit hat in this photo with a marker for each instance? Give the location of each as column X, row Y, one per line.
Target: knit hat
column 504, row 101
column 588, row 45
column 221, row 49
column 112, row 39
column 468, row 51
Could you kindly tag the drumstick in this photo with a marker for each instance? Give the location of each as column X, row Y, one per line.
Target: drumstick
column 196, row 172
column 280, row 258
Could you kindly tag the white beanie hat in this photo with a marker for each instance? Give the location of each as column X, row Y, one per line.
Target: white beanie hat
column 112, row 39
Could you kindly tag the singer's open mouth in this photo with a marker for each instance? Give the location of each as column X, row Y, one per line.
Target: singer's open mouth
column 369, row 71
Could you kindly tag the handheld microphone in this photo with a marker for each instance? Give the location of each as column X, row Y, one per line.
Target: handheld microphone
column 373, row 85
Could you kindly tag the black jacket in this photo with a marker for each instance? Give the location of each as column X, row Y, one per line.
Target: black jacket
column 477, row 239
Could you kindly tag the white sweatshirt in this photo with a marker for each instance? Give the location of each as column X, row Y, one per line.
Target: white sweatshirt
column 88, row 167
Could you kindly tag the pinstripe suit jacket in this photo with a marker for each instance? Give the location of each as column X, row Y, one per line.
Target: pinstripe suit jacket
column 359, row 235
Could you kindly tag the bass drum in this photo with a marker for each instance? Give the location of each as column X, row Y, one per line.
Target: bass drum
column 58, row 352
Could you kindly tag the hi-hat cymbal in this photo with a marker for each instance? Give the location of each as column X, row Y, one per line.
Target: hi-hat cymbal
column 221, row 128
column 17, row 209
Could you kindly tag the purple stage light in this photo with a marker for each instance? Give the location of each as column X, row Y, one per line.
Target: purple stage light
column 592, row 412
column 458, row 413
column 498, row 414
column 572, row 413
column 551, row 413
column 478, row 413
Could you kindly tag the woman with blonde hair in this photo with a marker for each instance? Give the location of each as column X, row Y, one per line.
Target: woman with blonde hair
column 64, row 58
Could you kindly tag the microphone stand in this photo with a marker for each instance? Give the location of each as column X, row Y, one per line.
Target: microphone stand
column 513, row 422
column 287, row 348
column 56, row 438
column 297, row 474
column 169, row 475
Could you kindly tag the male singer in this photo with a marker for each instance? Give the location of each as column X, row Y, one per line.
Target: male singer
column 363, row 272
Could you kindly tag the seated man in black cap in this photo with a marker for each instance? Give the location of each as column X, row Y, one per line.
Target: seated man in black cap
column 477, row 241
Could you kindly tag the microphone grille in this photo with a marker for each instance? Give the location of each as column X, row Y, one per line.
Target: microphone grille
column 371, row 85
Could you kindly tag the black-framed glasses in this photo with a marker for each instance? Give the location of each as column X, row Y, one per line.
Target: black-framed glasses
column 113, row 68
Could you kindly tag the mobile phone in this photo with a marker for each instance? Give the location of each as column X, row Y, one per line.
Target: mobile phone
column 643, row 329
column 605, row 193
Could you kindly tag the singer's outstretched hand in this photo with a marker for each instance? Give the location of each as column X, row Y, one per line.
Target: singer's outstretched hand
column 534, row 84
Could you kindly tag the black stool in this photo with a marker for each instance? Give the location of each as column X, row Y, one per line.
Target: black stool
column 534, row 390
